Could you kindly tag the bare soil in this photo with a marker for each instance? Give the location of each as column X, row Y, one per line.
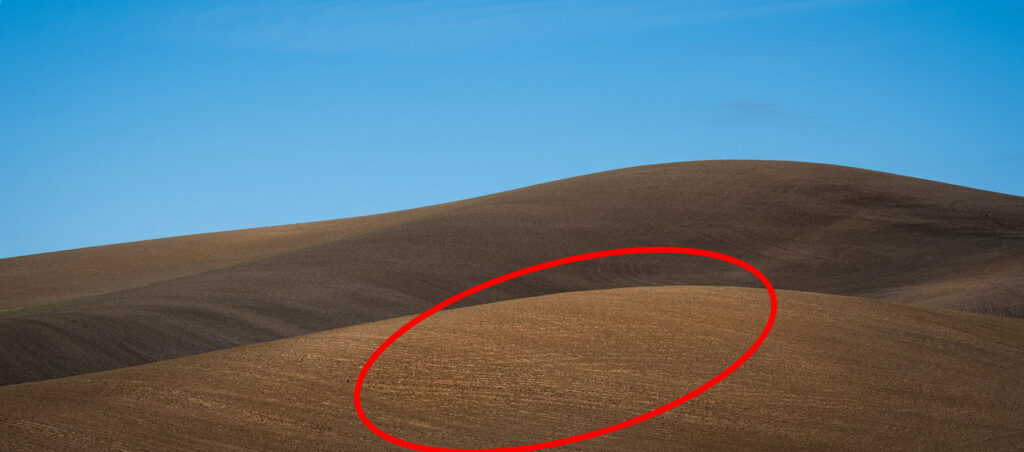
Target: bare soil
column 809, row 227
column 835, row 373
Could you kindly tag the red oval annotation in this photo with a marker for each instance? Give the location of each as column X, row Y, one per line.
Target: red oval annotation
column 357, row 400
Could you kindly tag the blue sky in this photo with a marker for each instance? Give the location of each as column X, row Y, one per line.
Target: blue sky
column 126, row 120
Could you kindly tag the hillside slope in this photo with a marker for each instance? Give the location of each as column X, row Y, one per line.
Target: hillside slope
column 808, row 227
column 835, row 373
column 42, row 279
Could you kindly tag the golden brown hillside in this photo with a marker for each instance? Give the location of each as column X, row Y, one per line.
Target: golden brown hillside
column 836, row 372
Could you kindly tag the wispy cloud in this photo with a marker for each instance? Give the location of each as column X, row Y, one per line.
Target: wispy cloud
column 339, row 25
column 750, row 112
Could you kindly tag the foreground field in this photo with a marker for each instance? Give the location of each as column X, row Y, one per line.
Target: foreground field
column 836, row 372
column 808, row 227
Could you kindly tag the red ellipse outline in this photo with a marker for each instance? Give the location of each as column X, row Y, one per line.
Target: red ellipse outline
column 555, row 263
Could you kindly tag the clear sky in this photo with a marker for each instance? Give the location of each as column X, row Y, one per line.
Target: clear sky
column 127, row 120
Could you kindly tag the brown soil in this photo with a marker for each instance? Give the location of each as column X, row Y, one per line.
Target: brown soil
column 835, row 373
column 809, row 227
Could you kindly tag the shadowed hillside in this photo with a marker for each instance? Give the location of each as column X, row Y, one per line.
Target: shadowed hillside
column 835, row 373
column 808, row 227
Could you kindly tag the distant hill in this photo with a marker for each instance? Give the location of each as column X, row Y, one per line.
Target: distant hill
column 808, row 227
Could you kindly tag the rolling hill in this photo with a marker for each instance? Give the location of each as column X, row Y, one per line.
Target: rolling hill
column 808, row 227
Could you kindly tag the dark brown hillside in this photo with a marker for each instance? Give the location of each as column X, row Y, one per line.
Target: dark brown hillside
column 808, row 227
column 40, row 279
